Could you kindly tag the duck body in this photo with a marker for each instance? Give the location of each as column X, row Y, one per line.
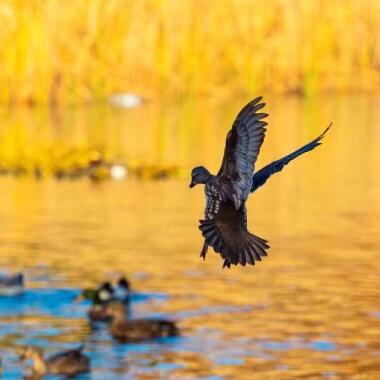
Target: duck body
column 68, row 363
column 138, row 330
column 11, row 284
column 97, row 313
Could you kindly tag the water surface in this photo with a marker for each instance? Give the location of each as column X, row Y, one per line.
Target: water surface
column 309, row 310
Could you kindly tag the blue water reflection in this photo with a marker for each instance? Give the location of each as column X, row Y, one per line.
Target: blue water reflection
column 55, row 309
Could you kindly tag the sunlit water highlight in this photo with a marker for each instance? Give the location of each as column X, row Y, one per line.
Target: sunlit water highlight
column 309, row 310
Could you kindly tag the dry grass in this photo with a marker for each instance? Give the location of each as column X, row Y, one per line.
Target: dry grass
column 83, row 50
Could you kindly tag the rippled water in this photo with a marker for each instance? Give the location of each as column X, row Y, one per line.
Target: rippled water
column 310, row 310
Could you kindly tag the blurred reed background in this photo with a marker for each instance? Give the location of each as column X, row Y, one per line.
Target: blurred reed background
column 310, row 310
column 85, row 50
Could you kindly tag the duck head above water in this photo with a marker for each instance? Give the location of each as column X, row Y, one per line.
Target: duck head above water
column 105, row 292
column 123, row 283
column 199, row 175
column 36, row 355
column 97, row 296
column 122, row 290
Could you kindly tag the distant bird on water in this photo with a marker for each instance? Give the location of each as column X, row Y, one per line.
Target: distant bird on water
column 225, row 224
column 69, row 363
column 11, row 284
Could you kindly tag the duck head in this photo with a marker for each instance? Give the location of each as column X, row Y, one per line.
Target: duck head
column 199, row 175
column 36, row 355
column 123, row 283
column 105, row 292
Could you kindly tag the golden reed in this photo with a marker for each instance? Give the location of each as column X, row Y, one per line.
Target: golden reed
column 78, row 51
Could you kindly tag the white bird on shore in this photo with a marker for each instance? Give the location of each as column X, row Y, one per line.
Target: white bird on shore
column 126, row 100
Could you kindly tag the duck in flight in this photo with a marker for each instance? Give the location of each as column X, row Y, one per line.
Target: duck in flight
column 225, row 225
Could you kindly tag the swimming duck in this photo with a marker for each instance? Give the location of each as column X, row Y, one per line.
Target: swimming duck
column 107, row 292
column 137, row 330
column 11, row 284
column 69, row 363
column 225, row 225
column 101, row 298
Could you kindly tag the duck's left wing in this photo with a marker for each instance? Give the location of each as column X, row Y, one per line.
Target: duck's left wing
column 261, row 176
column 242, row 148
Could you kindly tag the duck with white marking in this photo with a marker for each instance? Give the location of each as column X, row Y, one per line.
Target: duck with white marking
column 138, row 330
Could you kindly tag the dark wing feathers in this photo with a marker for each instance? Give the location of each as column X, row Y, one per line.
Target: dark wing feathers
column 242, row 148
column 260, row 177
column 225, row 227
column 227, row 233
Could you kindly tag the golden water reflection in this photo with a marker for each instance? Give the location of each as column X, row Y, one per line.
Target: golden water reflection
column 309, row 310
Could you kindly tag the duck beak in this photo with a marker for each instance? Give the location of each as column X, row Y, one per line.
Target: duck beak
column 192, row 184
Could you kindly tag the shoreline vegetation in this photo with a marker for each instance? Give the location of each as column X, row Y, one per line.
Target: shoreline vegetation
column 93, row 170
column 73, row 164
column 90, row 50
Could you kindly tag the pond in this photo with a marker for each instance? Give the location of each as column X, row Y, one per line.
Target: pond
column 309, row 310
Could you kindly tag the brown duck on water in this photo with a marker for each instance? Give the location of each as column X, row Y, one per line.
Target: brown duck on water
column 105, row 295
column 67, row 363
column 138, row 330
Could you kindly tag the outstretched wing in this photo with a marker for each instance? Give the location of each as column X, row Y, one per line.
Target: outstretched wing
column 260, row 177
column 242, row 148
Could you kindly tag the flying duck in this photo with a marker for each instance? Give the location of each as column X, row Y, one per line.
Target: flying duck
column 225, row 225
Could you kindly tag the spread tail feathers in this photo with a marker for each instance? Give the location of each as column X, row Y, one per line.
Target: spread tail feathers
column 241, row 247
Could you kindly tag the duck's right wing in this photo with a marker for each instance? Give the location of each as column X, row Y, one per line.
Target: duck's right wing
column 242, row 148
column 260, row 177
